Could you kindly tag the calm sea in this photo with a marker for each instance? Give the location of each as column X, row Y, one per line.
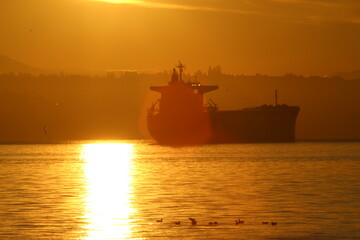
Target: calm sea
column 119, row 190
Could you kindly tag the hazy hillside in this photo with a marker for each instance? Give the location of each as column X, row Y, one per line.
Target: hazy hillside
column 8, row 65
column 70, row 107
column 347, row 75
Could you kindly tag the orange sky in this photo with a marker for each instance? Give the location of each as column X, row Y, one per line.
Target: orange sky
column 258, row 36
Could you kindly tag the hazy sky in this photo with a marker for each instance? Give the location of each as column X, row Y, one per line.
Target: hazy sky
column 243, row 36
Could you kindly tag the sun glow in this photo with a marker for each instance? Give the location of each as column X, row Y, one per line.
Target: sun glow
column 108, row 175
column 123, row 1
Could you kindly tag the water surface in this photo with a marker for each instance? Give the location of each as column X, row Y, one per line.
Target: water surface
column 119, row 190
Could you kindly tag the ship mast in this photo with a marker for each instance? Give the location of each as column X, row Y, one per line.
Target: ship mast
column 181, row 67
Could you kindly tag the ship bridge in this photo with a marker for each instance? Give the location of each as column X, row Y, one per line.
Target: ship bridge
column 180, row 100
column 176, row 81
column 196, row 86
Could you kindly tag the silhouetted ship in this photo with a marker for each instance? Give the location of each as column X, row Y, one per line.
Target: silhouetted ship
column 180, row 118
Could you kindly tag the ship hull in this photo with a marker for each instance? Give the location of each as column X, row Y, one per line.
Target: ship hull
column 256, row 125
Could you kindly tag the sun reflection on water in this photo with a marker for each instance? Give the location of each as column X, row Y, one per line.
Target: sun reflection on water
column 108, row 174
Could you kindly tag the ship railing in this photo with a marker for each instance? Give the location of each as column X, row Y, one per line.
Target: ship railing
column 211, row 108
column 152, row 112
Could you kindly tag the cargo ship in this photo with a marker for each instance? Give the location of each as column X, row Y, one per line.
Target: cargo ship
column 180, row 117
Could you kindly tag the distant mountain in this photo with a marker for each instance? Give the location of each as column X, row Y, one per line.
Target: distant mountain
column 8, row 65
column 347, row 75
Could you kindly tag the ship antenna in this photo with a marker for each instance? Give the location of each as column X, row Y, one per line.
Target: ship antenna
column 276, row 98
column 181, row 67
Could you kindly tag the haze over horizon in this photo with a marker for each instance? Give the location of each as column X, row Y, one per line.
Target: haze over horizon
column 264, row 36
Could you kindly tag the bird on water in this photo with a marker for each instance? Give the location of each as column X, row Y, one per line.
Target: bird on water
column 213, row 223
column 238, row 221
column 193, row 221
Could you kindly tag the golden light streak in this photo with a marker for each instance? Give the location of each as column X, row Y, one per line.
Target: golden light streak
column 303, row 17
column 108, row 175
column 174, row 6
column 155, row 5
